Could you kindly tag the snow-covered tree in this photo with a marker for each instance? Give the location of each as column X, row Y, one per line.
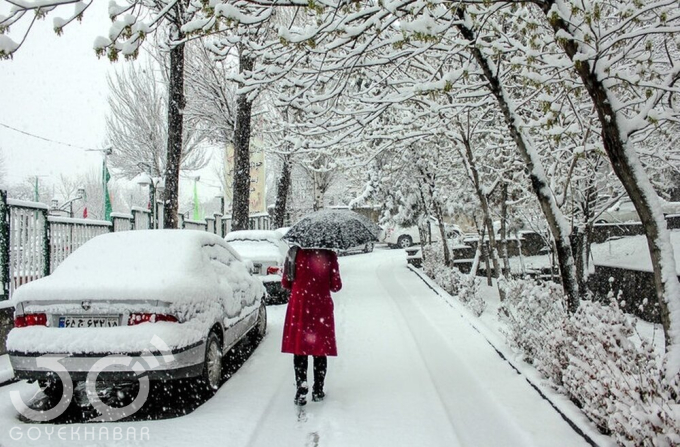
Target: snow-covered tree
column 137, row 126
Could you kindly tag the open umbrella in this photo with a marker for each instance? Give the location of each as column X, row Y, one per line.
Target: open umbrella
column 373, row 227
column 331, row 229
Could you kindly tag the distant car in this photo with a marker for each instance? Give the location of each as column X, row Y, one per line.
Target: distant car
column 174, row 301
column 404, row 237
column 267, row 250
column 624, row 211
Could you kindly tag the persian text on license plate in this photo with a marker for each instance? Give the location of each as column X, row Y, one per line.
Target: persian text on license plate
column 89, row 321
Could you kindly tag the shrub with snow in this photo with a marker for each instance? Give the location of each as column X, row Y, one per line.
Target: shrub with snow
column 535, row 318
column 597, row 359
column 460, row 285
column 617, row 378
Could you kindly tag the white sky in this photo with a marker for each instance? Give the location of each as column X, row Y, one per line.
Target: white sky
column 55, row 87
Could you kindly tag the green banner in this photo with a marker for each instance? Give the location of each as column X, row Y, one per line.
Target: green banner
column 107, row 198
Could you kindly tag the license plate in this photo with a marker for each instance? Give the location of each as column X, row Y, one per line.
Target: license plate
column 71, row 322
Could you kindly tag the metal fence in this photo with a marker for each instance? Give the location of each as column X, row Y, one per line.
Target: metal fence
column 33, row 243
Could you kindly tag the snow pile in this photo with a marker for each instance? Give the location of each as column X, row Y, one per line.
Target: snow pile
column 464, row 287
column 597, row 358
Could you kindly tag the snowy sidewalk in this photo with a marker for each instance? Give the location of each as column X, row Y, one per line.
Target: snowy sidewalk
column 411, row 372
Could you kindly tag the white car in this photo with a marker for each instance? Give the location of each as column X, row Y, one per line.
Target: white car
column 171, row 301
column 624, row 211
column 267, row 250
column 404, row 237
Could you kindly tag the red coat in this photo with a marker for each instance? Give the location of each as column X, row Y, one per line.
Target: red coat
column 309, row 328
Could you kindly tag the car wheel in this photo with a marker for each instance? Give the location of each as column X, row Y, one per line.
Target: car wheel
column 52, row 391
column 369, row 247
column 404, row 241
column 211, row 378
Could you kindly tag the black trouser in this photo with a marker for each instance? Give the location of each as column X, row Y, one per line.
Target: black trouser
column 301, row 362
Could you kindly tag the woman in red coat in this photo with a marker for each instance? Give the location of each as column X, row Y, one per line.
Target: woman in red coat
column 309, row 329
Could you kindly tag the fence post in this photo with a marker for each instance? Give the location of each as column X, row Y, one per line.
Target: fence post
column 47, row 249
column 4, row 244
column 160, row 215
column 219, row 229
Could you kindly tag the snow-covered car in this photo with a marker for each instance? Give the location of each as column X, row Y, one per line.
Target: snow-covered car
column 403, row 237
column 624, row 211
column 267, row 250
column 171, row 301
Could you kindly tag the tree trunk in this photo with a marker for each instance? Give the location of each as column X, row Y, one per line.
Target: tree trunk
column 478, row 255
column 537, row 176
column 486, row 213
column 442, row 231
column 282, row 189
column 176, row 102
column 493, row 252
column 318, row 192
column 504, row 229
column 486, row 254
column 629, row 170
column 241, row 186
column 578, row 236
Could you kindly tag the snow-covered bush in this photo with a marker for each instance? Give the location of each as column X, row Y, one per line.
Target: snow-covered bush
column 597, row 359
column 460, row 285
column 617, row 378
column 535, row 317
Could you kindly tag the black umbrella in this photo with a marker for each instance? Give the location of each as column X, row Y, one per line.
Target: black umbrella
column 373, row 227
column 331, row 229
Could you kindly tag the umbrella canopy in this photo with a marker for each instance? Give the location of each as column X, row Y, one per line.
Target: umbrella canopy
column 331, row 229
column 373, row 227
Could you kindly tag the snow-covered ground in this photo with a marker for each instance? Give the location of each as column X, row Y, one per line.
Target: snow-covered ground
column 631, row 252
column 412, row 370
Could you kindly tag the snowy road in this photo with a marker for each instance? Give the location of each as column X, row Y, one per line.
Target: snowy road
column 411, row 372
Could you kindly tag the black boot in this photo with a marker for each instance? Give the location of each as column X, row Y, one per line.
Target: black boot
column 320, row 366
column 301, row 394
column 300, row 364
